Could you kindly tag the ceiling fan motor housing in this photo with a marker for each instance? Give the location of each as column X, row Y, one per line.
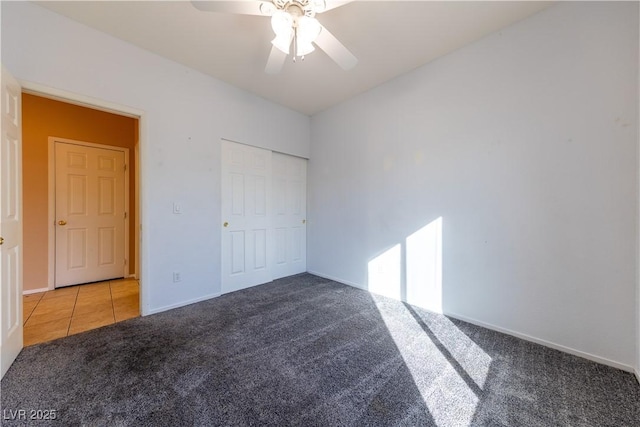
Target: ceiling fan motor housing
column 298, row 8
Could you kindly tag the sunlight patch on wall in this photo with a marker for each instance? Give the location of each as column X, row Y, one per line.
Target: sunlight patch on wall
column 385, row 272
column 424, row 267
column 412, row 271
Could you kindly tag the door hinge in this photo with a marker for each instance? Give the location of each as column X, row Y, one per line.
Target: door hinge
column 125, row 262
column 125, row 167
column 125, row 215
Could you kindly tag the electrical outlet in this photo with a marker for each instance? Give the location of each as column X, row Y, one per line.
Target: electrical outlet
column 176, row 277
column 177, row 208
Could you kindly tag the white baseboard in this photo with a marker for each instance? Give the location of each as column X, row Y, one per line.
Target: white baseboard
column 182, row 304
column 638, row 375
column 336, row 279
column 525, row 337
column 34, row 291
column 224, row 291
column 565, row 349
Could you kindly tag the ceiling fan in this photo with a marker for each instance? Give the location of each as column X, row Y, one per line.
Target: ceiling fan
column 291, row 21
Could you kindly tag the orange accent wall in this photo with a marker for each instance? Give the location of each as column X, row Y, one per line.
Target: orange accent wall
column 42, row 118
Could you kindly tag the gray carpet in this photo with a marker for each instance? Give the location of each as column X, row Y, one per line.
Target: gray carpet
column 308, row 351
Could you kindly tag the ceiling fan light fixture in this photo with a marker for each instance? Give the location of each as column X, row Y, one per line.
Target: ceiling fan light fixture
column 308, row 29
column 282, row 23
column 294, row 24
column 282, row 42
column 303, row 49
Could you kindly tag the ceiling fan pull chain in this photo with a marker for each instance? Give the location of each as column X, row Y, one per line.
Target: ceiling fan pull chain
column 295, row 43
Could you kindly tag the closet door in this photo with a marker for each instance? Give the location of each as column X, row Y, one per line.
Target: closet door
column 246, row 176
column 289, row 180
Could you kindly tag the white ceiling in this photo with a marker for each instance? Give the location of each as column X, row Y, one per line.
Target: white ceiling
column 389, row 38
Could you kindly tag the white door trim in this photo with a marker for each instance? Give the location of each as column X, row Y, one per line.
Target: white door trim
column 142, row 267
column 52, row 202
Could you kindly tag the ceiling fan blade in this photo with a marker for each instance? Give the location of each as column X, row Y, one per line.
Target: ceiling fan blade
column 275, row 61
column 324, row 5
column 336, row 50
column 240, row 7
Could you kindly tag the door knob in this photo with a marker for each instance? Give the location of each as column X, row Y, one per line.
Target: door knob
column 1, row 240
column 62, row 222
column 304, row 221
column 226, row 224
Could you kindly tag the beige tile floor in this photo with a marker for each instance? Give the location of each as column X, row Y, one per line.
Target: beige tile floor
column 67, row 311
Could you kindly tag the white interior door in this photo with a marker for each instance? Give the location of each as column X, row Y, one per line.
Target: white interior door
column 90, row 214
column 289, row 215
column 246, row 173
column 10, row 223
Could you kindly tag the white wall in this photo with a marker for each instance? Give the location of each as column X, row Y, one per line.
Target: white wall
column 525, row 143
column 638, row 244
column 186, row 114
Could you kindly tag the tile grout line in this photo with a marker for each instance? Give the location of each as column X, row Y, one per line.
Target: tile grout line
column 113, row 310
column 72, row 312
column 29, row 316
column 32, row 310
column 74, row 315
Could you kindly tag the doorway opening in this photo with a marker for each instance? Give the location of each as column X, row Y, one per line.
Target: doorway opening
column 78, row 275
column 89, row 203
